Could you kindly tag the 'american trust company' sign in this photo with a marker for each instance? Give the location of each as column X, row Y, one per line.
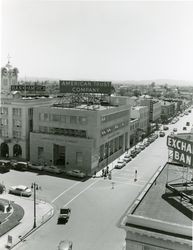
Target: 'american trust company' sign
column 182, row 150
column 85, row 87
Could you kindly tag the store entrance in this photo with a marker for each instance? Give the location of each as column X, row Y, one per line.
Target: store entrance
column 59, row 155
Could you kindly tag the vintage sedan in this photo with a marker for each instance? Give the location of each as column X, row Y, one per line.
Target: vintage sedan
column 52, row 169
column 76, row 173
column 20, row 190
column 120, row 164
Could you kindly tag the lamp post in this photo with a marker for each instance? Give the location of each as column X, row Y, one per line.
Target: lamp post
column 35, row 187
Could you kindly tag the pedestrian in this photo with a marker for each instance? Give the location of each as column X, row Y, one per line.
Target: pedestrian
column 135, row 179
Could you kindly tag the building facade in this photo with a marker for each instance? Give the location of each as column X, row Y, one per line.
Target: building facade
column 82, row 137
column 142, row 114
column 167, row 111
column 154, row 107
column 16, row 122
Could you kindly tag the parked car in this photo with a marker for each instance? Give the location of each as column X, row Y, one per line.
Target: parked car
column 137, row 149
column 64, row 215
column 127, row 158
column 5, row 166
column 141, row 146
column 133, row 153
column 52, row 169
column 20, row 190
column 76, row 173
column 120, row 164
column 175, row 129
column 65, row 245
column 21, row 165
column 36, row 167
column 162, row 134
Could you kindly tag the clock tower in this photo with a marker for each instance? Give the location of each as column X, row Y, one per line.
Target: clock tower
column 9, row 76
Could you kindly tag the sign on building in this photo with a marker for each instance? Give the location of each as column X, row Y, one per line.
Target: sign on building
column 32, row 88
column 85, row 87
column 182, row 150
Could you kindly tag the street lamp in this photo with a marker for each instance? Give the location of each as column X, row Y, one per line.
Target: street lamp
column 35, row 187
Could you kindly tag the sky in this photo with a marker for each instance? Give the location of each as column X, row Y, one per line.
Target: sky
column 98, row 40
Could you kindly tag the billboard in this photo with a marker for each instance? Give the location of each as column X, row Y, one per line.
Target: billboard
column 182, row 150
column 85, row 87
column 32, row 88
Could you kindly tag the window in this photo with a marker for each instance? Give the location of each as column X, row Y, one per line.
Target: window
column 16, row 134
column 149, row 248
column 63, row 118
column 73, row 119
column 79, row 159
column 44, row 117
column 16, row 123
column 3, row 121
column 56, row 118
column 4, row 133
column 40, row 153
column 83, row 120
column 4, row 110
column 17, row 111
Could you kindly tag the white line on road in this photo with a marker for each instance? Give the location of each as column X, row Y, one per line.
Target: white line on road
column 65, row 191
column 81, row 193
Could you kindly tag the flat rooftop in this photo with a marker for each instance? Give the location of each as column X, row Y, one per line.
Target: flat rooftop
column 162, row 206
column 85, row 107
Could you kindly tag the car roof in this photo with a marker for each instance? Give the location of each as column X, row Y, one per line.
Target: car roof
column 21, row 187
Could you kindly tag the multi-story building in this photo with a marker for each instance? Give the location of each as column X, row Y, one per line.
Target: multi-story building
column 142, row 114
column 82, row 137
column 154, row 107
column 15, row 125
column 159, row 219
column 161, row 216
column 134, row 131
column 167, row 111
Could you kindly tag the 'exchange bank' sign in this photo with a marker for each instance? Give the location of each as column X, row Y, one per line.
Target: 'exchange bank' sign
column 182, row 150
column 85, row 87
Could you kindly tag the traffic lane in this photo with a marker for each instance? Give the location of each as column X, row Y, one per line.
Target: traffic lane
column 51, row 186
column 146, row 162
column 93, row 221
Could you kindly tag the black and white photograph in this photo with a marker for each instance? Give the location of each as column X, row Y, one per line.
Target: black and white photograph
column 96, row 125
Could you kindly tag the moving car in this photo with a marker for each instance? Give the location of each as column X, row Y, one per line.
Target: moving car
column 64, row 215
column 162, row 134
column 76, row 173
column 20, row 190
column 5, row 166
column 52, row 169
column 166, row 127
column 65, row 245
column 187, row 123
column 175, row 129
column 184, row 128
column 120, row 164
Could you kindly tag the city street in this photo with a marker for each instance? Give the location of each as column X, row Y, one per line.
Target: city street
column 96, row 204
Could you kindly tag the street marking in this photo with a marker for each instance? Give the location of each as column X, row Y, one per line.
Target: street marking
column 81, row 193
column 65, row 191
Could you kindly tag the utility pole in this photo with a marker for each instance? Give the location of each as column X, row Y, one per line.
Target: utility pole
column 35, row 187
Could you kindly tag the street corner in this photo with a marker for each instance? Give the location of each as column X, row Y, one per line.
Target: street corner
column 23, row 218
column 10, row 215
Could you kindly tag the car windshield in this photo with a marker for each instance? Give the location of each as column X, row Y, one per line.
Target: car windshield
column 76, row 171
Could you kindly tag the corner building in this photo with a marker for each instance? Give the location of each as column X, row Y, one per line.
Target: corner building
column 84, row 137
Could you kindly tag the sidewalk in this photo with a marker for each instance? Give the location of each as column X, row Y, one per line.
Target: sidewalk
column 44, row 211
